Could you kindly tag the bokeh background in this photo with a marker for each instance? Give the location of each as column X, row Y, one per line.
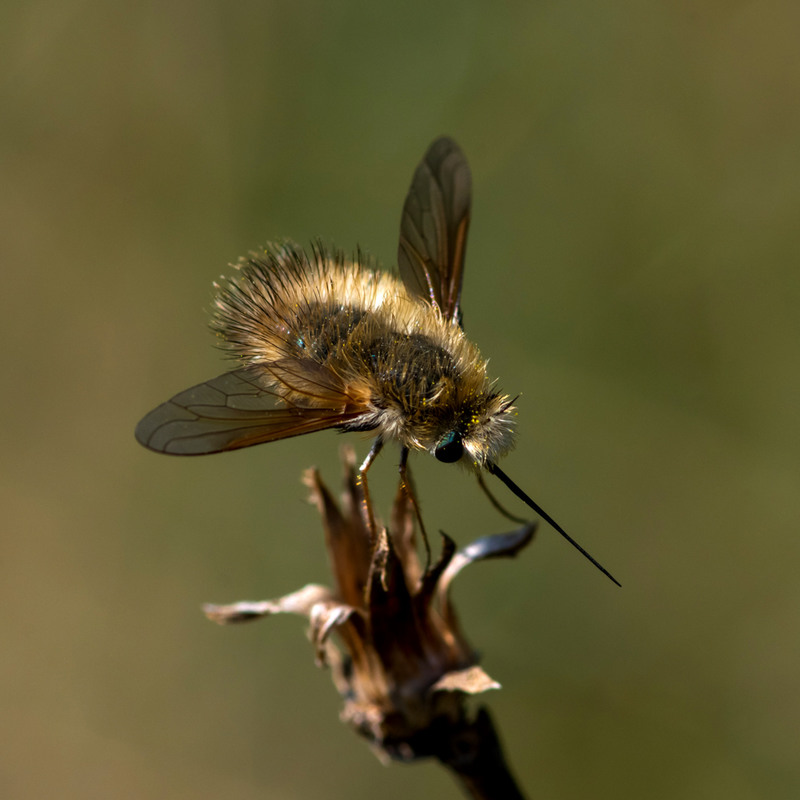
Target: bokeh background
column 632, row 272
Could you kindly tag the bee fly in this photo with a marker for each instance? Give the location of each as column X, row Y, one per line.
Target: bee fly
column 327, row 341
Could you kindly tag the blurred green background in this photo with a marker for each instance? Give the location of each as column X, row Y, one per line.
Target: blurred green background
column 631, row 271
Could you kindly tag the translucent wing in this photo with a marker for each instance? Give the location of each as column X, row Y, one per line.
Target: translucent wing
column 234, row 410
column 433, row 228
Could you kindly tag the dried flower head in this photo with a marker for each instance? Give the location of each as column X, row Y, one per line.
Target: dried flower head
column 398, row 658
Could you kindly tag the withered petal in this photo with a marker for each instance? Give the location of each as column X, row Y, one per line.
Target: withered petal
column 300, row 602
column 496, row 545
column 325, row 617
column 472, row 680
column 432, row 576
column 394, row 624
column 348, row 541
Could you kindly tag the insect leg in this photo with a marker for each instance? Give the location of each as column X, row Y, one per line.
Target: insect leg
column 496, row 503
column 361, row 480
column 408, row 487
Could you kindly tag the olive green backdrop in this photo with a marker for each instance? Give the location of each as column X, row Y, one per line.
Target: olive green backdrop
column 632, row 272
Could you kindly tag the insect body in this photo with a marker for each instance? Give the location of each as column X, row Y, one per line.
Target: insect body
column 323, row 332
column 326, row 341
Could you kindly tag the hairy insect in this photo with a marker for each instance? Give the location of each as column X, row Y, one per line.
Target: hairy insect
column 328, row 341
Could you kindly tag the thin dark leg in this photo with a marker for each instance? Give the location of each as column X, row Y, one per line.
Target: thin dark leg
column 496, row 503
column 408, row 485
column 361, row 480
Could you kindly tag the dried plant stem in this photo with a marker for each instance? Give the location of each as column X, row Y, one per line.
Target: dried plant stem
column 390, row 635
column 473, row 752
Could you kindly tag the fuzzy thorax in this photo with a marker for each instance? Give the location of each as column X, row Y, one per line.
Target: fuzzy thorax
column 332, row 332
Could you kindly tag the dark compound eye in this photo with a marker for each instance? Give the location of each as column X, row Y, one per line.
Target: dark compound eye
column 450, row 449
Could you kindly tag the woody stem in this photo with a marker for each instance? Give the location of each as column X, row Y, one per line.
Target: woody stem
column 473, row 752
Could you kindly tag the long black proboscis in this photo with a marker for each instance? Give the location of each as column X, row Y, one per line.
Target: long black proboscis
column 495, row 470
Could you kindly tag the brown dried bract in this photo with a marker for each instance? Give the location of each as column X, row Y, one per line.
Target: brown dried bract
column 398, row 657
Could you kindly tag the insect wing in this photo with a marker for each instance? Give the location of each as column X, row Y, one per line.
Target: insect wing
column 433, row 227
column 231, row 411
